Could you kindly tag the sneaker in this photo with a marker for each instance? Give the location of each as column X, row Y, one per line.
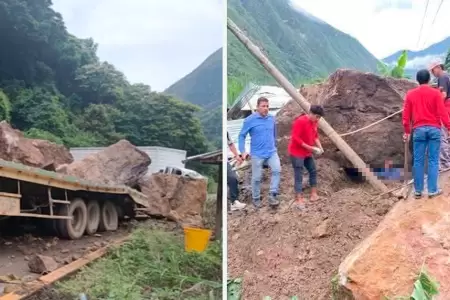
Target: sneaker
column 236, row 205
column 417, row 195
column 432, row 195
column 273, row 201
column 257, row 203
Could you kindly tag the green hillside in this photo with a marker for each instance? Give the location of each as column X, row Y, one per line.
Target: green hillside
column 301, row 46
column 53, row 86
column 203, row 87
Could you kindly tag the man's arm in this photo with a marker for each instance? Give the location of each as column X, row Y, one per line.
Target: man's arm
column 275, row 131
column 406, row 115
column 444, row 84
column 296, row 133
column 443, row 114
column 244, row 131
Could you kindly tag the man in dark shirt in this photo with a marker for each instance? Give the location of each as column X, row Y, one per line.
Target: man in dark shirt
column 443, row 84
column 232, row 180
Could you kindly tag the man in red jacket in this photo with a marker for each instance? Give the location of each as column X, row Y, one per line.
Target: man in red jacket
column 304, row 142
column 424, row 108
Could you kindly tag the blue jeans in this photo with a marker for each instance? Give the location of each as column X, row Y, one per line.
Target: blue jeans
column 298, row 163
column 257, row 167
column 426, row 137
column 233, row 184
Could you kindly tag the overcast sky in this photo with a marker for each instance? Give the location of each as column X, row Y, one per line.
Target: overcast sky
column 384, row 26
column 152, row 41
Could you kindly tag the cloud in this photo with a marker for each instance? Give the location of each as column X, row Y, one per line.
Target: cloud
column 154, row 42
column 384, row 27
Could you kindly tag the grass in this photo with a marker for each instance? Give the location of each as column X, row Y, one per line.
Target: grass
column 209, row 212
column 151, row 265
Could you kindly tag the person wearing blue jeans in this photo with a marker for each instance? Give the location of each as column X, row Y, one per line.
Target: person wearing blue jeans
column 262, row 130
column 424, row 108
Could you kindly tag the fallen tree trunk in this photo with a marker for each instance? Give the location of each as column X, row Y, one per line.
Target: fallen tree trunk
column 291, row 90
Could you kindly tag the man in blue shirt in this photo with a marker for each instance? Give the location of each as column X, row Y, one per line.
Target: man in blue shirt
column 262, row 129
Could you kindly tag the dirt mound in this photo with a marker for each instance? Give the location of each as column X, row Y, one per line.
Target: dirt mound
column 120, row 163
column 31, row 152
column 421, row 228
column 176, row 197
column 292, row 253
column 353, row 100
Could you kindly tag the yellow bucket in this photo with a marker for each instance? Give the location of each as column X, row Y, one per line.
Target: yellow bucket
column 196, row 239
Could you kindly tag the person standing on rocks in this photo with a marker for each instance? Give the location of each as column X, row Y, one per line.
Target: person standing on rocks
column 303, row 143
column 232, row 181
column 424, row 108
column 262, row 130
column 443, row 84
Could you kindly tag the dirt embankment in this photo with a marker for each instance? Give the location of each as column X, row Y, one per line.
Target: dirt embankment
column 291, row 253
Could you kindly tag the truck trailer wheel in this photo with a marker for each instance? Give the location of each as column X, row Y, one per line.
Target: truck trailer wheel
column 73, row 229
column 109, row 218
column 93, row 217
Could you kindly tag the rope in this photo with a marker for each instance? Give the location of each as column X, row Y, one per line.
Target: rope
column 372, row 124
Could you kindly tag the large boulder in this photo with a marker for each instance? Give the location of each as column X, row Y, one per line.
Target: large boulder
column 176, row 197
column 352, row 100
column 120, row 163
column 415, row 233
column 31, row 152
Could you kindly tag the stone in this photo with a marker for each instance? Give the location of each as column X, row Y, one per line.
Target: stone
column 323, row 229
column 31, row 152
column 175, row 197
column 412, row 234
column 121, row 163
column 41, row 264
column 352, row 100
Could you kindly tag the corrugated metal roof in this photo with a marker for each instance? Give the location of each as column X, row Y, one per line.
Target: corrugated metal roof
column 277, row 97
column 161, row 156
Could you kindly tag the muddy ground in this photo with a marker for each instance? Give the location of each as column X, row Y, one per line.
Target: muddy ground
column 286, row 252
column 18, row 246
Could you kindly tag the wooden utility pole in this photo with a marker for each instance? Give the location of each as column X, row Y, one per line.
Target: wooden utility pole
column 323, row 124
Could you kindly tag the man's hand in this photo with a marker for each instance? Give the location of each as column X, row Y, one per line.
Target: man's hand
column 406, row 137
column 317, row 150
column 244, row 156
column 238, row 159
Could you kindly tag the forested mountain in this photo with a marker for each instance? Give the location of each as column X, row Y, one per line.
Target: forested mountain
column 203, row 87
column 300, row 45
column 421, row 59
column 53, row 86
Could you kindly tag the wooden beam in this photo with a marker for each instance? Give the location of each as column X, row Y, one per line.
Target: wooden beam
column 219, row 210
column 326, row 128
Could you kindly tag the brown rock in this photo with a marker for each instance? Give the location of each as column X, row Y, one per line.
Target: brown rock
column 120, row 163
column 352, row 100
column 175, row 197
column 323, row 229
column 41, row 264
column 35, row 153
column 413, row 233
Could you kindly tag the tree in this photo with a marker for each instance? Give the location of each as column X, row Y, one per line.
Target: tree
column 447, row 61
column 396, row 71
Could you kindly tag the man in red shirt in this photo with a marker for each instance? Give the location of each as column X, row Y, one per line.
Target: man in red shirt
column 424, row 108
column 304, row 142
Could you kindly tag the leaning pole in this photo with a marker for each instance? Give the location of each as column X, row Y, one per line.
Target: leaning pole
column 326, row 128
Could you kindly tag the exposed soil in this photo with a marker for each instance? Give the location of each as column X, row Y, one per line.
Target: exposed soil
column 283, row 253
column 16, row 249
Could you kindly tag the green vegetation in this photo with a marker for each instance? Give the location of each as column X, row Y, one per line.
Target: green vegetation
column 53, row 86
column 234, row 88
column 396, row 71
column 447, row 61
column 302, row 48
column 152, row 265
column 425, row 288
column 203, row 87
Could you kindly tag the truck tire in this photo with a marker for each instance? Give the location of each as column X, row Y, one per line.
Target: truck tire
column 93, row 217
column 73, row 229
column 109, row 218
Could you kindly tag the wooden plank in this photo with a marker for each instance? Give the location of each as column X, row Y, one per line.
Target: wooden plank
column 31, row 288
